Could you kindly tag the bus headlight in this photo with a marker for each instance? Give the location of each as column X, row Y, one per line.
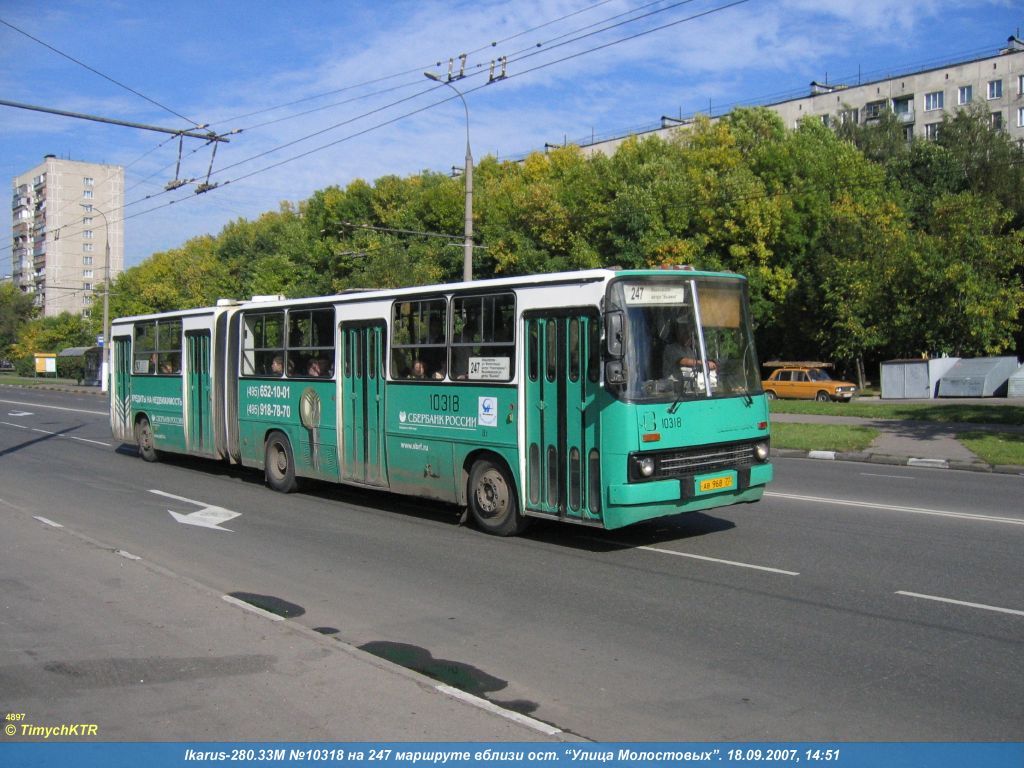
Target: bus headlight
column 646, row 466
column 761, row 451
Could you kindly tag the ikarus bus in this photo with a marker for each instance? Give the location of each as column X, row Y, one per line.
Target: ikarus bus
column 602, row 398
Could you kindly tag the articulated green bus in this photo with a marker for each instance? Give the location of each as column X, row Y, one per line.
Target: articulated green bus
column 602, row 397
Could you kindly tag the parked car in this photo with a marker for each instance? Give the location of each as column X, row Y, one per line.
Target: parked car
column 805, row 382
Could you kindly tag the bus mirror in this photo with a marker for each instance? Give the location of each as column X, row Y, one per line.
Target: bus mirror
column 613, row 372
column 613, row 334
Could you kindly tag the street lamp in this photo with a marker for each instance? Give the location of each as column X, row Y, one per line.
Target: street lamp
column 105, row 364
column 467, row 257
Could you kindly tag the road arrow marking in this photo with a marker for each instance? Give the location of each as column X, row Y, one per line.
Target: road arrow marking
column 20, row 413
column 210, row 516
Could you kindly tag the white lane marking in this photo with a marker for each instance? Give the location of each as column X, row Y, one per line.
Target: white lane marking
column 627, row 545
column 16, row 414
column 894, row 477
column 961, row 602
column 210, row 516
column 47, row 521
column 10, row 424
column 252, row 608
column 58, row 434
column 898, row 508
column 127, row 555
column 721, row 562
column 476, row 701
column 55, row 407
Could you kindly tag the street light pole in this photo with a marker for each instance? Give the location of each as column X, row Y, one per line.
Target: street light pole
column 105, row 364
column 467, row 256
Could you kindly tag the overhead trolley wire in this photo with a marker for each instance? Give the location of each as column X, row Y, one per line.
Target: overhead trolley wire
column 97, row 72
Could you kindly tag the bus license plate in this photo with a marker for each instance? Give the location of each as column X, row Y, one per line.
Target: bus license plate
column 716, row 483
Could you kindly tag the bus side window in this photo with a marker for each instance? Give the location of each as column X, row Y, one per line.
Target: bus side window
column 483, row 337
column 418, row 335
column 262, row 342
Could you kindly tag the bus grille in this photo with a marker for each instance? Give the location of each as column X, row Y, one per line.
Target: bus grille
column 705, row 458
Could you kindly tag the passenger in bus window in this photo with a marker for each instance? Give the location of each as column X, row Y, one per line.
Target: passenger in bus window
column 152, row 363
column 277, row 366
column 167, row 366
column 313, row 368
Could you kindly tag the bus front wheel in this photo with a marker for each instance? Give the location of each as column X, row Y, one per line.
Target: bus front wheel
column 493, row 501
column 144, row 437
column 279, row 464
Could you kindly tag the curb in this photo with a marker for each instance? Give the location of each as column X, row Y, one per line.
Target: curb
column 899, row 461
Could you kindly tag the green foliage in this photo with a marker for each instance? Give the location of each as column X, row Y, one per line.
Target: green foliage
column 50, row 334
column 16, row 309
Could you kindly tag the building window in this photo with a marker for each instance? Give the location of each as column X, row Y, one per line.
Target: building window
column 965, row 94
column 931, row 131
column 995, row 89
column 1020, row 85
column 1020, row 116
column 997, row 120
column 908, row 133
column 87, row 181
column 87, row 261
column 933, row 101
column 87, row 286
column 903, row 106
column 87, row 207
column 87, row 247
column 87, row 220
column 87, row 234
column 87, row 194
column 87, row 273
column 873, row 110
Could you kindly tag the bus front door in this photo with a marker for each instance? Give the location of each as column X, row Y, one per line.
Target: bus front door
column 562, row 423
column 362, row 404
column 199, row 389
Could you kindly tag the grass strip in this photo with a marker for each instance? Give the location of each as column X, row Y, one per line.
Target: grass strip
column 995, row 447
column 966, row 413
column 822, row 437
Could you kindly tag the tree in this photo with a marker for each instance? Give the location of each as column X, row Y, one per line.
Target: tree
column 16, row 309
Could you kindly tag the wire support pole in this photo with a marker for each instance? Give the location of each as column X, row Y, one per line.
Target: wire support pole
column 467, row 256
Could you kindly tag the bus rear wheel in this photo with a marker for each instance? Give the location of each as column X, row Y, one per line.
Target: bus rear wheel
column 493, row 501
column 279, row 464
column 144, row 437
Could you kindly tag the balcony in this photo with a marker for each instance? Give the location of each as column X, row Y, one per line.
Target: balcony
column 905, row 117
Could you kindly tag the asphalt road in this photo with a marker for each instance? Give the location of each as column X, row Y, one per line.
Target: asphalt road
column 855, row 602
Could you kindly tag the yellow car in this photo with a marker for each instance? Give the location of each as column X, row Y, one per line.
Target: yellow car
column 807, row 383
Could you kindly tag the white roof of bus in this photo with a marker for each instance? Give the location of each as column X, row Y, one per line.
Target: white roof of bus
column 550, row 278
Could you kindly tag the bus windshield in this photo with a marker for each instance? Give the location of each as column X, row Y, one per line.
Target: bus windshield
column 684, row 339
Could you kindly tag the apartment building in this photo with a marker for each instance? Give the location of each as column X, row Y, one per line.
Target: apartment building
column 919, row 99
column 64, row 213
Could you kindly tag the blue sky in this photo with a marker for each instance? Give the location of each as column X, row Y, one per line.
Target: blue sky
column 352, row 74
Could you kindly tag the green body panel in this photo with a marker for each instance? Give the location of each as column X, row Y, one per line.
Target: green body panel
column 159, row 398
column 278, row 404
column 433, row 430
column 199, row 391
column 694, row 423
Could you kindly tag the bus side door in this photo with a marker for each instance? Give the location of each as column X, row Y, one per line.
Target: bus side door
column 562, row 423
column 199, row 390
column 362, row 403
column 121, row 397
